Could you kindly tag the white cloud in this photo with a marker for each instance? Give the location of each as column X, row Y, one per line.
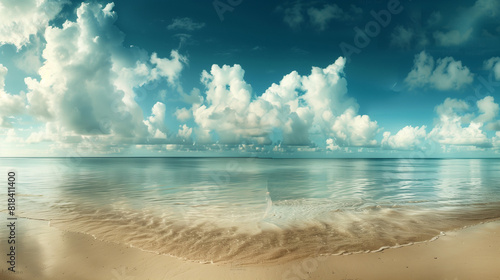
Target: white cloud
column 227, row 109
column 156, row 122
column 450, row 74
column 445, row 74
column 296, row 108
column 183, row 114
column 450, row 128
column 10, row 105
column 408, row 138
column 493, row 64
column 76, row 87
column 423, row 65
column 451, row 107
column 185, row 132
column 87, row 81
column 136, row 73
column 355, row 130
column 331, row 145
column 451, row 132
column 169, row 68
column 488, row 109
column 23, row 18
column 185, row 24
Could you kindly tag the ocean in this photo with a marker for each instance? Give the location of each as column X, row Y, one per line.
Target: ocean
column 253, row 210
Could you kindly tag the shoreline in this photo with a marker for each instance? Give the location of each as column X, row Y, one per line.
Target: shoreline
column 46, row 252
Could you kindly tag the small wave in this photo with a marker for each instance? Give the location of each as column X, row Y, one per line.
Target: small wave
column 279, row 236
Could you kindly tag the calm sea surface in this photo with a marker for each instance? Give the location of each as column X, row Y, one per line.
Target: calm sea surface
column 251, row 210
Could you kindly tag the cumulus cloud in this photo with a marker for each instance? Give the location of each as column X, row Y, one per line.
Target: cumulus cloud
column 493, row 64
column 355, row 130
column 21, row 19
column 169, row 68
column 451, row 132
column 408, row 138
column 227, row 109
column 452, row 107
column 296, row 108
column 444, row 74
column 87, row 81
column 183, row 114
column 156, row 122
column 488, row 109
column 451, row 129
column 331, row 145
column 423, row 65
column 184, row 132
column 450, row 74
column 185, row 24
column 10, row 105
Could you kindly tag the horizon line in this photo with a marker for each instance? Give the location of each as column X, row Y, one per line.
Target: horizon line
column 257, row 157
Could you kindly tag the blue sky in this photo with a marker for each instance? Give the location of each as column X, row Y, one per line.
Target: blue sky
column 243, row 78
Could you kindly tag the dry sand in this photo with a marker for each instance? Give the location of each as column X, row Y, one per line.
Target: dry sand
column 46, row 252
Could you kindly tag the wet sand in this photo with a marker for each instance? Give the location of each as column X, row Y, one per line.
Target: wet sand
column 45, row 252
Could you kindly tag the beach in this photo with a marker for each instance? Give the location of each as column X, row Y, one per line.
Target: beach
column 49, row 253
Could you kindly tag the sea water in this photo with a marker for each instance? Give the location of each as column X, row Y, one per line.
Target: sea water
column 251, row 210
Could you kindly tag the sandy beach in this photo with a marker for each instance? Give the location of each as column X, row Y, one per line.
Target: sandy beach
column 45, row 252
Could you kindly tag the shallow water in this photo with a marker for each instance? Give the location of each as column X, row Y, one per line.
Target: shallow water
column 251, row 210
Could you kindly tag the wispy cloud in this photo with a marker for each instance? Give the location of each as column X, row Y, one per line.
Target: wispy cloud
column 319, row 16
column 185, row 23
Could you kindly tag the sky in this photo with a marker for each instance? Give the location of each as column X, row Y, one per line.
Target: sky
column 382, row 78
